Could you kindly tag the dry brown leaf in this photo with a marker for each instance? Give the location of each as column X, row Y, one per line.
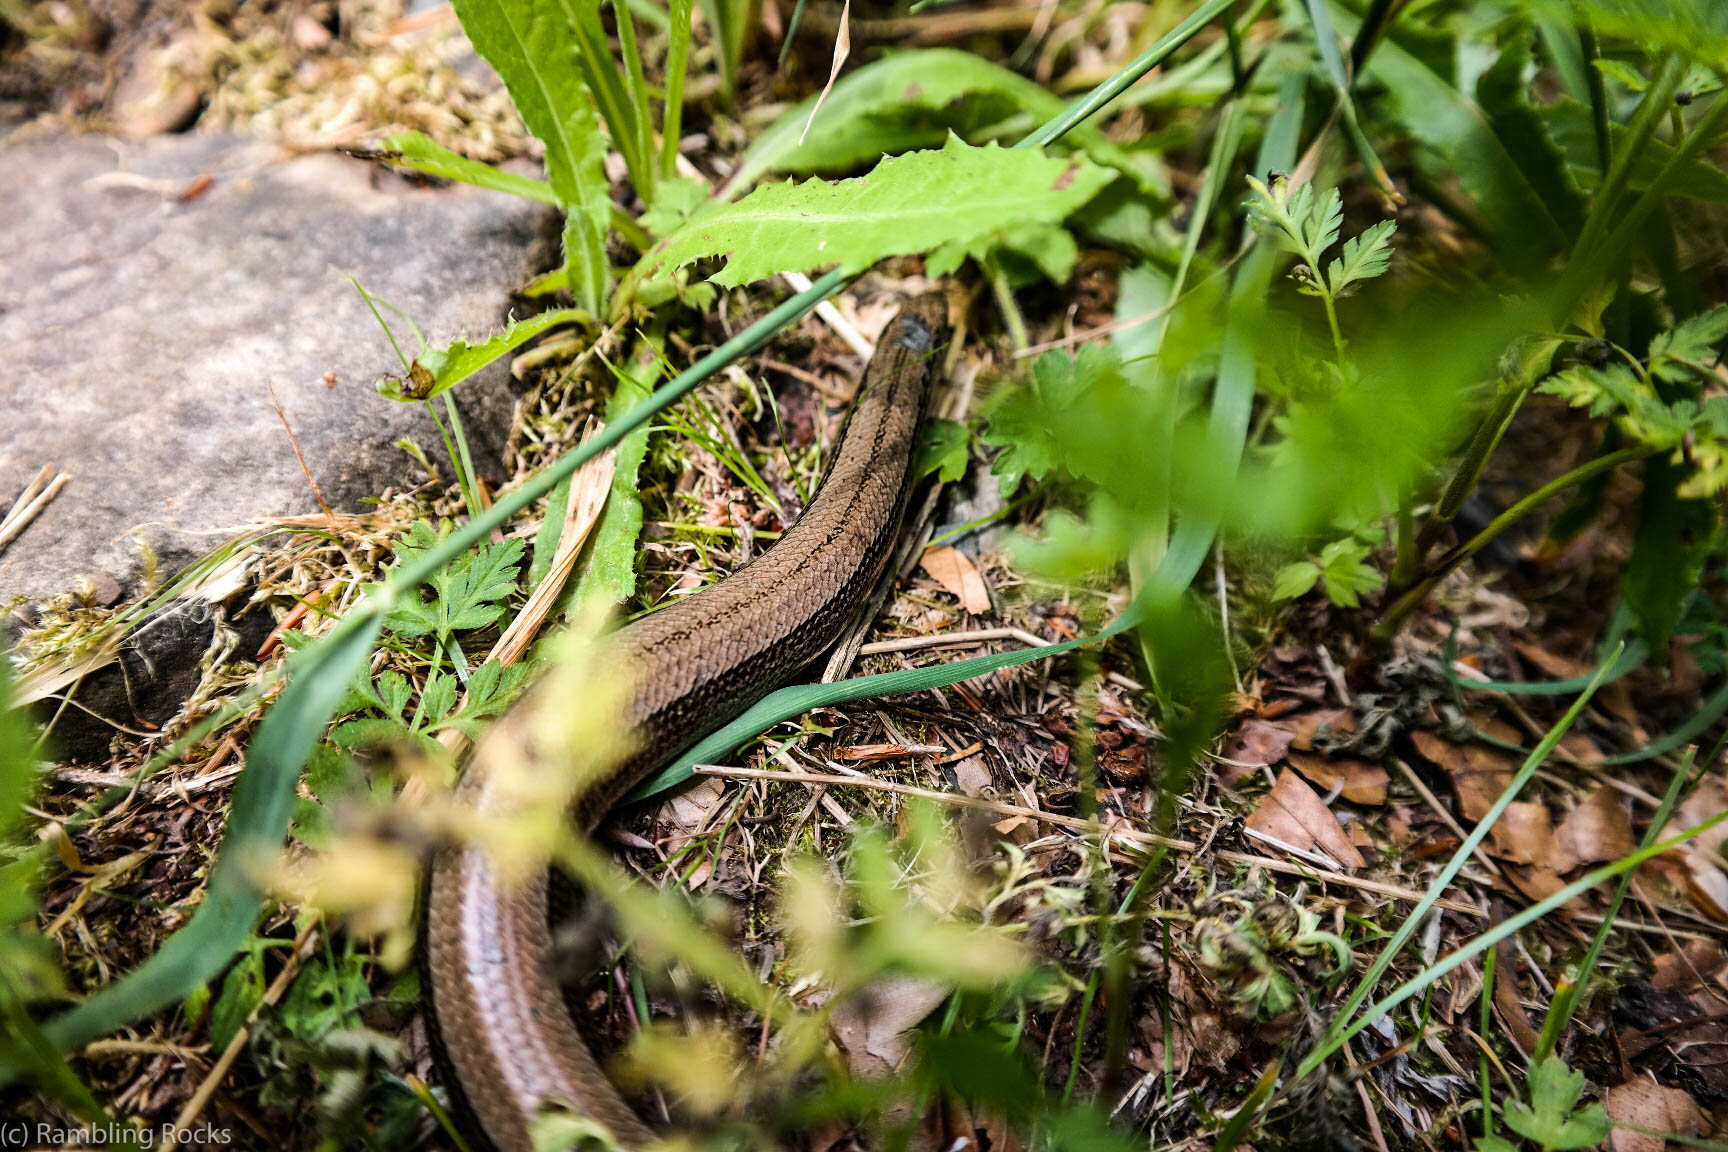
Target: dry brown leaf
column 950, row 568
column 1705, row 879
column 1523, row 834
column 689, row 809
column 1537, row 882
column 1294, row 813
column 1648, row 1105
column 1594, row 832
column 1306, row 727
column 873, row 1024
column 1260, row 742
column 1479, row 774
column 1550, row 664
column 1359, row 781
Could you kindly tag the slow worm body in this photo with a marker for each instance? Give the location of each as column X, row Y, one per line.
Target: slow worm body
column 505, row 1038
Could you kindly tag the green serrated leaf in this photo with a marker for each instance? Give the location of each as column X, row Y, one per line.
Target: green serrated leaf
column 944, row 449
column 908, row 204
column 1345, row 573
column 1691, row 345
column 913, row 99
column 370, row 732
column 420, row 152
column 1621, row 71
column 1323, row 224
column 1553, row 1119
column 1673, row 540
column 437, row 370
column 466, row 594
column 527, row 42
column 1295, row 579
column 675, row 201
column 1365, row 257
column 242, row 991
column 437, row 698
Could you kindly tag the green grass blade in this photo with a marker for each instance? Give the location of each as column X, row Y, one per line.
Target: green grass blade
column 1476, row 947
column 606, row 81
column 257, row 823
column 800, row 698
column 1567, row 997
column 526, row 42
column 1632, row 658
column 1120, row 82
column 421, row 153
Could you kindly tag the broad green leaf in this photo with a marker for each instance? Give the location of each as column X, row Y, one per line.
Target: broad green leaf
column 1570, row 124
column 528, row 43
column 1504, row 95
column 1365, row 257
column 1041, row 249
column 675, row 201
column 1697, row 29
column 1623, row 72
column 908, row 204
column 242, row 991
column 1459, row 145
column 1553, row 1119
column 1673, row 540
column 1296, row 579
column 913, row 100
column 609, row 567
column 944, row 449
column 420, row 152
column 437, row 370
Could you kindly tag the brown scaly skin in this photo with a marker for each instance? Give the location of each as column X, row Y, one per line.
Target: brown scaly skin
column 506, row 1042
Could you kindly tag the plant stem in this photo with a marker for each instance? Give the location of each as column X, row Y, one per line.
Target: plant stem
column 1331, row 318
column 1404, row 568
column 1598, row 86
column 1394, row 617
column 1005, row 301
column 1489, row 431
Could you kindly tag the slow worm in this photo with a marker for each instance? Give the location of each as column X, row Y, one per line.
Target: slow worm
column 506, row 1042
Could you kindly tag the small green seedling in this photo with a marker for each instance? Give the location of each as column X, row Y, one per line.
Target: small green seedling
column 1552, row 1120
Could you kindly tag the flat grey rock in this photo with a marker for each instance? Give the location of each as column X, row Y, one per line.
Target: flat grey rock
column 142, row 331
